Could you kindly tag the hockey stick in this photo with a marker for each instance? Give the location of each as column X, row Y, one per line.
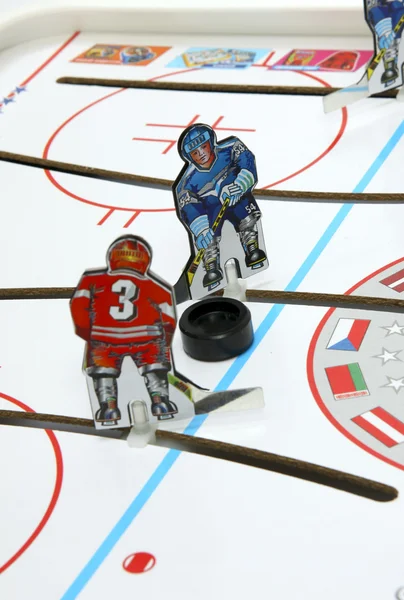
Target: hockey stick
column 281, row 90
column 199, row 257
column 268, row 461
column 166, row 184
column 182, row 287
column 265, row 296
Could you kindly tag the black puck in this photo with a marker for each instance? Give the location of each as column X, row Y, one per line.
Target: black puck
column 216, row 329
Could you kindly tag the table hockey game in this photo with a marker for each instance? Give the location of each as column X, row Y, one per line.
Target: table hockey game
column 91, row 518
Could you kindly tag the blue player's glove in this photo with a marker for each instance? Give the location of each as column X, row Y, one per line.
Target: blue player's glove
column 202, row 232
column 385, row 33
column 243, row 182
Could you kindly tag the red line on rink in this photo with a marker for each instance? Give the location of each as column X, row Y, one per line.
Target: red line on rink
column 180, row 72
column 52, row 438
column 170, row 143
column 152, row 139
column 106, row 216
column 45, row 153
column 268, row 58
column 133, row 217
column 56, row 490
column 335, row 141
column 220, row 119
column 192, row 121
column 266, row 61
column 76, row 114
column 50, row 59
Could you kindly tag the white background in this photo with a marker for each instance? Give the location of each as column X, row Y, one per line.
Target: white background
column 311, row 17
column 9, row 5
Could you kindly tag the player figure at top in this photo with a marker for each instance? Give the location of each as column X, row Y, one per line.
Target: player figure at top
column 124, row 310
column 216, row 173
column 386, row 19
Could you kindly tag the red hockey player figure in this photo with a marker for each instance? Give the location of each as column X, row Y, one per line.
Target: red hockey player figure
column 125, row 310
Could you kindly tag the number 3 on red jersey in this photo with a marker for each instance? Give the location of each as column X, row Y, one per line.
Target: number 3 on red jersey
column 127, row 292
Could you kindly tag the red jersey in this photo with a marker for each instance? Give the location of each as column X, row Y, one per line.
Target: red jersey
column 120, row 307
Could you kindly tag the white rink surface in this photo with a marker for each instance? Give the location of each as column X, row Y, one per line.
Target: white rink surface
column 217, row 530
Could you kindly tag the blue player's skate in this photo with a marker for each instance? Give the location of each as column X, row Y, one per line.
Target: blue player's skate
column 390, row 66
column 254, row 256
column 211, row 262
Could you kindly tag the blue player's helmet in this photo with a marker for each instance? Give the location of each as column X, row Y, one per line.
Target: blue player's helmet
column 193, row 137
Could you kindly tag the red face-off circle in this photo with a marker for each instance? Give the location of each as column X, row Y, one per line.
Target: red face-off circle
column 56, row 490
column 139, row 562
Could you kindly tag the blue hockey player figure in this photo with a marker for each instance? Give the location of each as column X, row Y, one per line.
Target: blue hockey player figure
column 216, row 185
column 386, row 19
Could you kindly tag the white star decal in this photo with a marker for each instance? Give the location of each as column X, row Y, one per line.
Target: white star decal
column 396, row 384
column 386, row 356
column 395, row 328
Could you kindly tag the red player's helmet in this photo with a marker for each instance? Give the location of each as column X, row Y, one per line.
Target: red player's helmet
column 130, row 253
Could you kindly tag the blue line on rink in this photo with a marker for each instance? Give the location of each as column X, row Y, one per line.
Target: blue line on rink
column 169, row 459
column 352, row 89
column 276, row 310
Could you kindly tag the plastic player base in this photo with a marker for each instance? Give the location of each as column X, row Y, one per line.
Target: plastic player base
column 142, row 432
column 216, row 329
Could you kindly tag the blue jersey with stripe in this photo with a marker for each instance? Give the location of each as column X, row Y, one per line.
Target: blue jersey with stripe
column 198, row 191
column 384, row 9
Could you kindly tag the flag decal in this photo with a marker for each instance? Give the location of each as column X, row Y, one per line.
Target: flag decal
column 347, row 381
column 348, row 334
column 395, row 282
column 382, row 425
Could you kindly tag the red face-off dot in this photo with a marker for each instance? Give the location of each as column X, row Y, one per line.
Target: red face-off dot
column 139, row 562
